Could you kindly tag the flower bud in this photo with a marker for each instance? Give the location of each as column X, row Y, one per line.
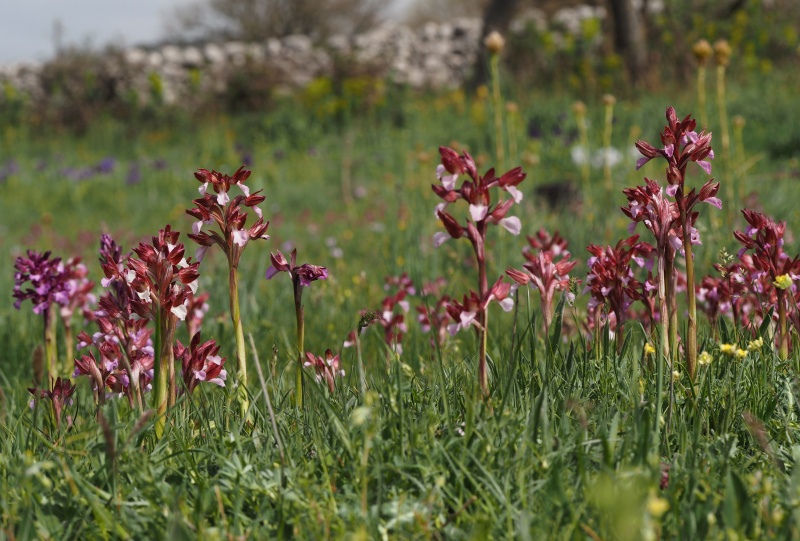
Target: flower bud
column 494, row 42
column 722, row 52
column 609, row 100
column 579, row 108
column 702, row 51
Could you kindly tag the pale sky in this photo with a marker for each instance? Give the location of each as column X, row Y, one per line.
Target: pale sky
column 26, row 26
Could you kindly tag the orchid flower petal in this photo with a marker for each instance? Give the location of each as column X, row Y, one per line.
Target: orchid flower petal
column 511, row 224
column 478, row 212
column 439, row 238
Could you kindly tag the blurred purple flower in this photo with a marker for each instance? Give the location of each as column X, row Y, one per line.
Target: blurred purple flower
column 106, row 165
column 134, row 174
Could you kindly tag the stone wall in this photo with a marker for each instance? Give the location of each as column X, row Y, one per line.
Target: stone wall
column 434, row 56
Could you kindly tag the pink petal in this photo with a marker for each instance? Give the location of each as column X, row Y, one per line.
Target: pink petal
column 706, row 166
column 512, row 225
column 439, row 238
column 240, row 237
column 478, row 212
column 222, row 198
column 671, row 190
column 201, row 251
column 202, row 189
column 271, row 272
column 245, row 188
column 507, row 304
column 179, row 311
column 515, row 193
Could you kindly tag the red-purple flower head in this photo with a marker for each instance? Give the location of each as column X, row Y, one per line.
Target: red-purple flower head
column 48, row 281
column 475, row 191
column 229, row 214
column 327, row 368
column 201, row 362
column 59, row 396
column 304, row 274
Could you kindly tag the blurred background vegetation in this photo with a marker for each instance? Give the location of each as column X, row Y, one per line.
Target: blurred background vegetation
column 639, row 46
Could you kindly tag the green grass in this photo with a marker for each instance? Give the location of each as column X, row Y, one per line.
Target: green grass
column 563, row 450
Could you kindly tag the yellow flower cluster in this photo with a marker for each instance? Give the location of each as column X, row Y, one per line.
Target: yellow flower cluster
column 755, row 345
column 648, row 349
column 704, row 359
column 784, row 281
column 732, row 351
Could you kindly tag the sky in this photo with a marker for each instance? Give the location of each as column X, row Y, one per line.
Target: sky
column 27, row 26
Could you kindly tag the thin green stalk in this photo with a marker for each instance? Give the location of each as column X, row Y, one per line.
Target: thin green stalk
column 50, row 348
column 160, row 375
column 168, row 355
column 691, row 331
column 497, row 102
column 663, row 306
column 483, row 318
column 298, row 309
column 362, row 377
column 701, row 95
column 241, row 360
column 784, row 337
column 69, row 345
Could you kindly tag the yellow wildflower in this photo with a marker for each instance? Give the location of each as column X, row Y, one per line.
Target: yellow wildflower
column 784, row 281
column 657, row 506
column 704, row 358
column 727, row 349
column 756, row 344
column 648, row 349
column 741, row 353
column 676, row 375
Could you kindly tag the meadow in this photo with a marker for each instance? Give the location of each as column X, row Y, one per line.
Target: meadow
column 581, row 433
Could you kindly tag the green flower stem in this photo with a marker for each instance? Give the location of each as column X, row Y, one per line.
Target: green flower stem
column 784, row 337
column 497, row 102
column 672, row 303
column 701, row 95
column 362, row 377
column 168, row 356
column 483, row 319
column 241, row 360
column 50, row 348
column 298, row 309
column 662, row 298
column 691, row 328
column 69, row 345
column 160, row 374
column 659, row 400
column 164, row 396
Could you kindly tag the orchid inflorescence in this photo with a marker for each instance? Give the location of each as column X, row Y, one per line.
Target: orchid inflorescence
column 547, row 268
column 475, row 190
column 674, row 225
column 302, row 276
column 216, row 207
column 770, row 270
